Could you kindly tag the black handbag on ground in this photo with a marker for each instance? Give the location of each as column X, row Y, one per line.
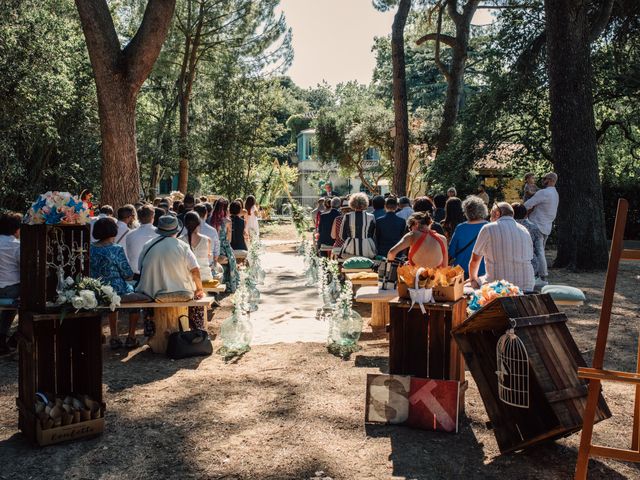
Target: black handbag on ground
column 190, row 343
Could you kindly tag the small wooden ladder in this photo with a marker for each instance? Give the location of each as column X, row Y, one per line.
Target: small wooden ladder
column 597, row 374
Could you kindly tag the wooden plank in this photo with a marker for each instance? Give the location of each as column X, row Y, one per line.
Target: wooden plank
column 616, row 453
column 45, row 357
column 438, row 341
column 609, row 375
column 63, row 334
column 537, row 320
column 629, row 254
column 567, row 393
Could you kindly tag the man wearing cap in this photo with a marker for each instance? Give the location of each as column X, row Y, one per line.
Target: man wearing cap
column 404, row 208
column 168, row 265
column 542, row 208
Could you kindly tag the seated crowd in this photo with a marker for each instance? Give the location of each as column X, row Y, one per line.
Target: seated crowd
column 148, row 250
column 505, row 243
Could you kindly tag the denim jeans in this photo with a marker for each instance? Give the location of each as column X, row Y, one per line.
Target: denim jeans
column 7, row 316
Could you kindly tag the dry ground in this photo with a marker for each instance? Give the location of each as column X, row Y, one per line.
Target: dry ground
column 294, row 411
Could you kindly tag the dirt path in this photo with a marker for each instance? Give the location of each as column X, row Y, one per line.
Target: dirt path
column 292, row 411
column 287, row 311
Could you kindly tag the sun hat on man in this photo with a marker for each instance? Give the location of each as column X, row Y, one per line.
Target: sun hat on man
column 168, row 225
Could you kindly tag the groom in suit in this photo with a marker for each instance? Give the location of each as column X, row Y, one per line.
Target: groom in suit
column 389, row 228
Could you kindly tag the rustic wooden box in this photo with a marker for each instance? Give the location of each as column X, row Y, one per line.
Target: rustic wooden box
column 58, row 357
column 42, row 249
column 421, row 345
column 450, row 293
column 557, row 396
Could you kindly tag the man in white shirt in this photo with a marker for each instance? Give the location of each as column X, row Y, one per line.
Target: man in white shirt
column 543, row 207
column 168, row 264
column 405, row 210
column 126, row 217
column 507, row 250
column 105, row 211
column 9, row 273
column 135, row 240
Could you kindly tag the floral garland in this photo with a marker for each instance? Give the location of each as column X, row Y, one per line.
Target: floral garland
column 53, row 208
column 490, row 291
column 86, row 293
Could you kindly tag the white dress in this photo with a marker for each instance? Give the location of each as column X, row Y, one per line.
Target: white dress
column 252, row 222
column 201, row 251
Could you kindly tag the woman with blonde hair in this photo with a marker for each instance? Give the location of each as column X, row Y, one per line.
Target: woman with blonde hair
column 357, row 229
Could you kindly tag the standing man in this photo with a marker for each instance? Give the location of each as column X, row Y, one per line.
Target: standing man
column 326, row 223
column 405, row 210
column 328, row 190
column 507, row 250
column 452, row 192
column 134, row 241
column 483, row 195
column 9, row 273
column 543, row 207
column 389, row 228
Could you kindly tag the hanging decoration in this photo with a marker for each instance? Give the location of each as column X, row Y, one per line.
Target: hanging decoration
column 513, row 370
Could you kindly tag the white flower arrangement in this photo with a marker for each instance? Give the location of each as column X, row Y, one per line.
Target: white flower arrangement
column 86, row 293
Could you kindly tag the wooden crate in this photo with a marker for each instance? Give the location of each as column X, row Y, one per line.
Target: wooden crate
column 42, row 248
column 421, row 345
column 557, row 396
column 57, row 357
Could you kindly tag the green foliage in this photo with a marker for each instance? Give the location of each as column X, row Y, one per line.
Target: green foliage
column 49, row 134
column 356, row 122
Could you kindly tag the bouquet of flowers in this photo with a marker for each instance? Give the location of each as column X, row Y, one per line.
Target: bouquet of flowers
column 490, row 291
column 86, row 293
column 53, row 208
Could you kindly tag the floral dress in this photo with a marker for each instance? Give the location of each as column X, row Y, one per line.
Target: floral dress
column 109, row 263
column 231, row 273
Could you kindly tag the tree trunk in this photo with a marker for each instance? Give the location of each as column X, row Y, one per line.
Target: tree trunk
column 183, row 169
column 455, row 73
column 120, row 172
column 455, row 85
column 581, row 228
column 119, row 74
column 401, row 139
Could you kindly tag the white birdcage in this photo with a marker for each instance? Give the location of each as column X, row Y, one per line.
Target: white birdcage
column 513, row 370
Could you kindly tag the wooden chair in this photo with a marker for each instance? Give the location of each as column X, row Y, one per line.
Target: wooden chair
column 597, row 374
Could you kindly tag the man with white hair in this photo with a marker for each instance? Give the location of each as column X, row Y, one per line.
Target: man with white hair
column 543, row 207
column 507, row 250
column 452, row 192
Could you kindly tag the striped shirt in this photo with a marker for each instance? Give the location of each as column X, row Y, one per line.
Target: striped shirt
column 507, row 250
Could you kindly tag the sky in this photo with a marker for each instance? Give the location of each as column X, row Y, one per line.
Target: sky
column 332, row 39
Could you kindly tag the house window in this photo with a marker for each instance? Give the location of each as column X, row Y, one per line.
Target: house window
column 310, row 149
column 300, row 148
column 372, row 154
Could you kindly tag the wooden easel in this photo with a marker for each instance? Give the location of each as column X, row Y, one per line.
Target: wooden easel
column 597, row 374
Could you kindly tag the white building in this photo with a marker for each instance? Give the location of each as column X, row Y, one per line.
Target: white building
column 313, row 173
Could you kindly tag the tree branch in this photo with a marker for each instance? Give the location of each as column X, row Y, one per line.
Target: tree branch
column 446, row 39
column 100, row 34
column 441, row 66
column 144, row 48
column 601, row 20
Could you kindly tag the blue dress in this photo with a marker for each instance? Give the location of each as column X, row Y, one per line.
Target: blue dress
column 462, row 243
column 231, row 273
column 110, row 265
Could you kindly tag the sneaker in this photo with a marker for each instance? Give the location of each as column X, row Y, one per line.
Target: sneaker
column 115, row 343
column 131, row 343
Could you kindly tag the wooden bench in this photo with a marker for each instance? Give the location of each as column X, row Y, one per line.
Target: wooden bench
column 166, row 318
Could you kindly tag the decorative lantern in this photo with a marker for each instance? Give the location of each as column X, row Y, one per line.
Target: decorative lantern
column 513, row 370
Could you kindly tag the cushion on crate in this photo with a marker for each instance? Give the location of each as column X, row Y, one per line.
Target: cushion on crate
column 357, row 262
column 564, row 293
column 7, row 302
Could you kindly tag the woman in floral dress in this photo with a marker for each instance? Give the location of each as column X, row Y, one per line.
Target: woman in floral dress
column 222, row 223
